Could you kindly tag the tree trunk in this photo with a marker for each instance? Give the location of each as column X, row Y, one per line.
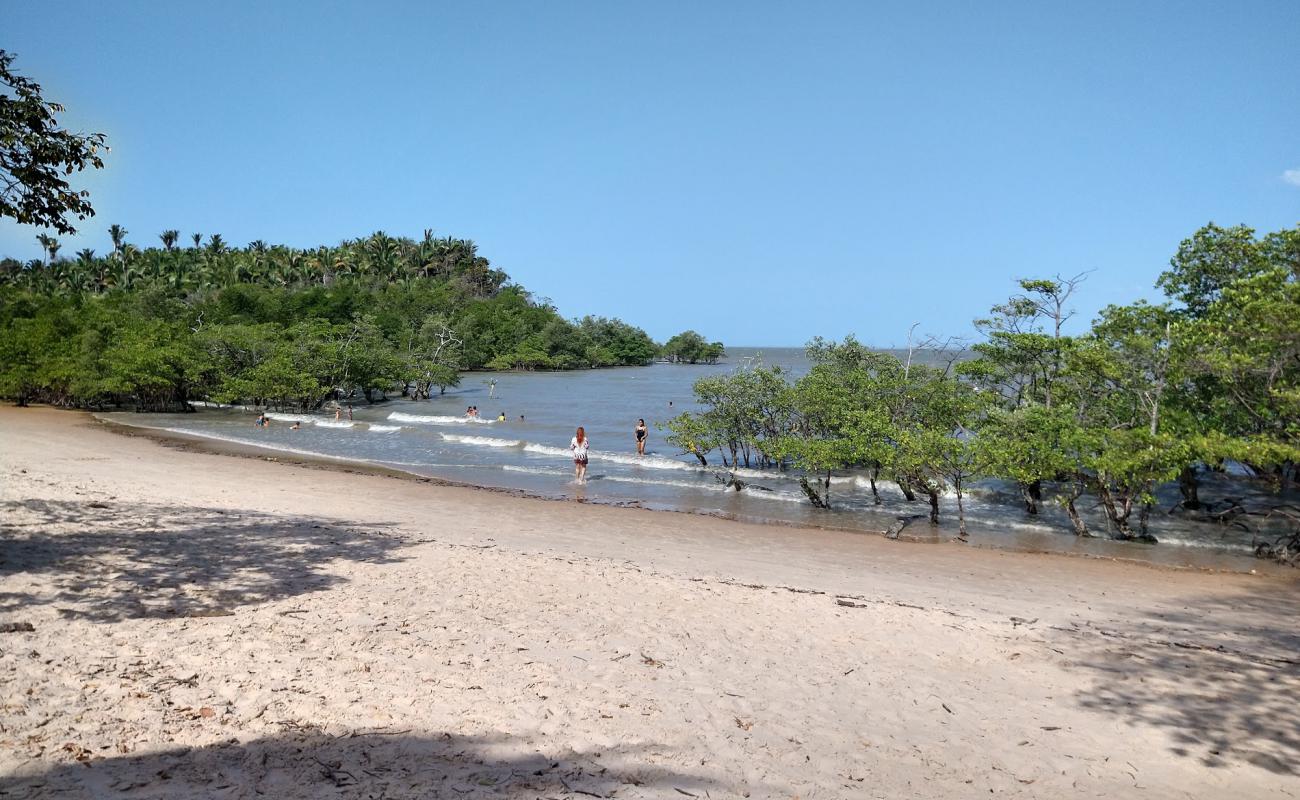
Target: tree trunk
column 874, row 492
column 1189, row 488
column 961, row 512
column 906, row 489
column 1080, row 527
column 813, row 497
column 1032, row 494
column 1117, row 511
column 1076, row 521
column 1144, row 514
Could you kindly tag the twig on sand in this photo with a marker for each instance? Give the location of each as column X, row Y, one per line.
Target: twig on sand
column 168, row 682
column 17, row 627
column 354, row 734
column 336, row 773
column 580, row 791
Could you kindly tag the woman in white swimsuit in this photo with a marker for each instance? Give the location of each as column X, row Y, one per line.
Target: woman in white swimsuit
column 579, row 447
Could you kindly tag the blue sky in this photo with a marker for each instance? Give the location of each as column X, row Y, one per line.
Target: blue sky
column 760, row 172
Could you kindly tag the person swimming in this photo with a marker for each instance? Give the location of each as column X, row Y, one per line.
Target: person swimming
column 501, row 417
column 295, row 426
column 641, row 433
column 262, row 420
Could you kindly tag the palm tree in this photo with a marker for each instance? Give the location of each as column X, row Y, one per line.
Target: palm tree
column 169, row 238
column 86, row 268
column 216, row 244
column 198, row 239
column 118, row 234
column 49, row 245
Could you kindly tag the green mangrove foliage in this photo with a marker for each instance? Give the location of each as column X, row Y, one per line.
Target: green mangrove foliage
column 154, row 328
column 1207, row 379
column 688, row 347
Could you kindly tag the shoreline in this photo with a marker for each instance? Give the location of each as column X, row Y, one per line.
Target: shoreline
column 202, row 444
column 194, row 625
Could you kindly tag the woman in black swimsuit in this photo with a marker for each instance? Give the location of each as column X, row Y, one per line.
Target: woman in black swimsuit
column 640, row 437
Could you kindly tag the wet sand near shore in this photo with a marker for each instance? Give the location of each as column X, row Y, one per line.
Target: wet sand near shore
column 233, row 627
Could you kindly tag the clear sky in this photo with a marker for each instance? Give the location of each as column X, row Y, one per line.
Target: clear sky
column 761, row 172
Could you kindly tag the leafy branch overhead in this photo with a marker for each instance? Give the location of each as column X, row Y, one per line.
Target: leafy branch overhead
column 37, row 156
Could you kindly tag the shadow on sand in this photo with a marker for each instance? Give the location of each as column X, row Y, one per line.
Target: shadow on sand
column 306, row 763
column 1222, row 676
column 124, row 560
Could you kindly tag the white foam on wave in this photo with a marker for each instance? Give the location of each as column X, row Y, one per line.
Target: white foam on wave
column 282, row 417
column 377, row 428
column 547, row 450
column 484, row 441
column 329, row 423
column 265, row 445
column 210, row 404
column 746, row 472
column 436, row 419
column 651, row 462
column 654, row 482
column 313, row 453
column 537, row 470
column 784, row 497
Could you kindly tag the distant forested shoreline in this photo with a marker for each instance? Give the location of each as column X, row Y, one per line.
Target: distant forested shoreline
column 153, row 328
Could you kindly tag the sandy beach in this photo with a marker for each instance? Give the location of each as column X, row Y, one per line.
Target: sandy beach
column 214, row 626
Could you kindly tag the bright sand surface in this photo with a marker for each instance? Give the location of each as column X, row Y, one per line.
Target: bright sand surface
column 211, row 626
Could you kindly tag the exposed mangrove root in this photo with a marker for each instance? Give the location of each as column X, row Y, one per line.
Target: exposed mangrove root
column 893, row 531
column 813, row 497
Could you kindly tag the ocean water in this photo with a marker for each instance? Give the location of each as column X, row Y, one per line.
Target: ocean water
column 529, row 451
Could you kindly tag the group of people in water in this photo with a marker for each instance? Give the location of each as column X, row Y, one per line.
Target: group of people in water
column 263, row 421
column 579, row 446
column 472, row 413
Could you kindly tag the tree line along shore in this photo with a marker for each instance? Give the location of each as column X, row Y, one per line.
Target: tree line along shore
column 1207, row 379
column 155, row 328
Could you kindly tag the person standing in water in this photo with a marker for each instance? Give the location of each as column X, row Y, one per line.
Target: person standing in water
column 641, row 432
column 579, row 447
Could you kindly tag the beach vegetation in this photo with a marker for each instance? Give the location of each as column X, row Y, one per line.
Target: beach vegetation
column 276, row 326
column 689, row 347
column 1207, row 379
